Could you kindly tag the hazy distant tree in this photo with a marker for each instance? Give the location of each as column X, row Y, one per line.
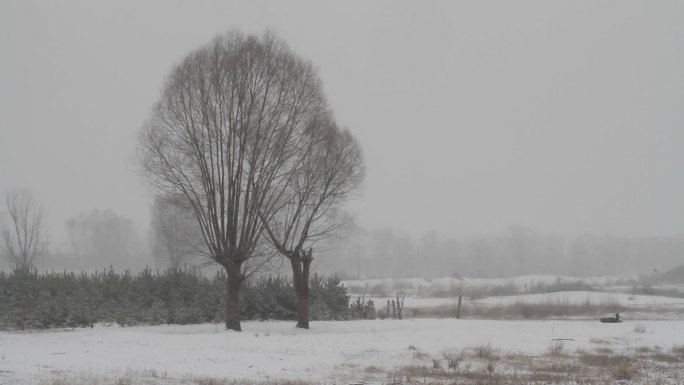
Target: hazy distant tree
column 520, row 245
column 104, row 238
column 21, row 229
column 175, row 236
column 79, row 233
column 305, row 199
column 230, row 121
column 482, row 252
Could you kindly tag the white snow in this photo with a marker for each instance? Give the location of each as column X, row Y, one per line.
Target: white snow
column 329, row 351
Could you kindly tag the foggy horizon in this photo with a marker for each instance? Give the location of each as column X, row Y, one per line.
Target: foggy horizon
column 564, row 118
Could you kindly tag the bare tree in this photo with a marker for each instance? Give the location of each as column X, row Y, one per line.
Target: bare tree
column 304, row 206
column 520, row 242
column 21, row 231
column 100, row 239
column 228, row 123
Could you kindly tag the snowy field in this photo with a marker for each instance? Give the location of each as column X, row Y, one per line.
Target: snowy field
column 330, row 352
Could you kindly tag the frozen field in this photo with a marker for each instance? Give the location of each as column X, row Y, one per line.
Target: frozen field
column 330, row 352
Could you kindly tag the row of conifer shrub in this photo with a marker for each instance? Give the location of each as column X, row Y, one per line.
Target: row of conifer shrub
column 29, row 299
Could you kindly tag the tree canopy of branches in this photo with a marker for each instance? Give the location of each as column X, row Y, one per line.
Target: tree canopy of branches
column 228, row 125
column 21, row 230
column 304, row 203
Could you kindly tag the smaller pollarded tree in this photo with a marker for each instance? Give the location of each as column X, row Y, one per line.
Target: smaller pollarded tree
column 305, row 202
column 22, row 237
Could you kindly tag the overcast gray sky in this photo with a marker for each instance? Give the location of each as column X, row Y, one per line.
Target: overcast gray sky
column 566, row 117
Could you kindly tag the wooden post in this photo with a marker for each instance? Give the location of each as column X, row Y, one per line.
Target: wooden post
column 400, row 306
column 394, row 310
column 458, row 308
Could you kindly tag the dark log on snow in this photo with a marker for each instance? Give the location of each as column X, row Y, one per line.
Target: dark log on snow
column 611, row 320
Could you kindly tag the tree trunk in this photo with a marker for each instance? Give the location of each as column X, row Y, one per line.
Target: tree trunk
column 301, row 262
column 233, row 301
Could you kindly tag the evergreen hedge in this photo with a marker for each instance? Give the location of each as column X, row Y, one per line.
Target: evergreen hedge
column 29, row 299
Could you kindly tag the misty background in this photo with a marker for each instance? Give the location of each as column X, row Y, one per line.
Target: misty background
column 500, row 138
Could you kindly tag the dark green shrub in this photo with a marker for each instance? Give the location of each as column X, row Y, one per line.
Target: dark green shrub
column 32, row 300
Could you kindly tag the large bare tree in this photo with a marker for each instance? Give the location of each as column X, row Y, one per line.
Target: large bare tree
column 229, row 122
column 21, row 230
column 304, row 203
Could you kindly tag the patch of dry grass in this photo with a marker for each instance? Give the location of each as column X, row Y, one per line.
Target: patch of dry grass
column 486, row 352
column 644, row 349
column 603, row 360
column 602, row 350
column 521, row 310
column 481, row 365
column 640, row 328
column 556, row 348
column 373, row 369
column 133, row 379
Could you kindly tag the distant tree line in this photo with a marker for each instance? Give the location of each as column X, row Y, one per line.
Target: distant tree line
column 102, row 238
column 519, row 251
column 30, row 300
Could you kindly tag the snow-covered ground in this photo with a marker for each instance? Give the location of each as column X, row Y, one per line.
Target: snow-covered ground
column 328, row 352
